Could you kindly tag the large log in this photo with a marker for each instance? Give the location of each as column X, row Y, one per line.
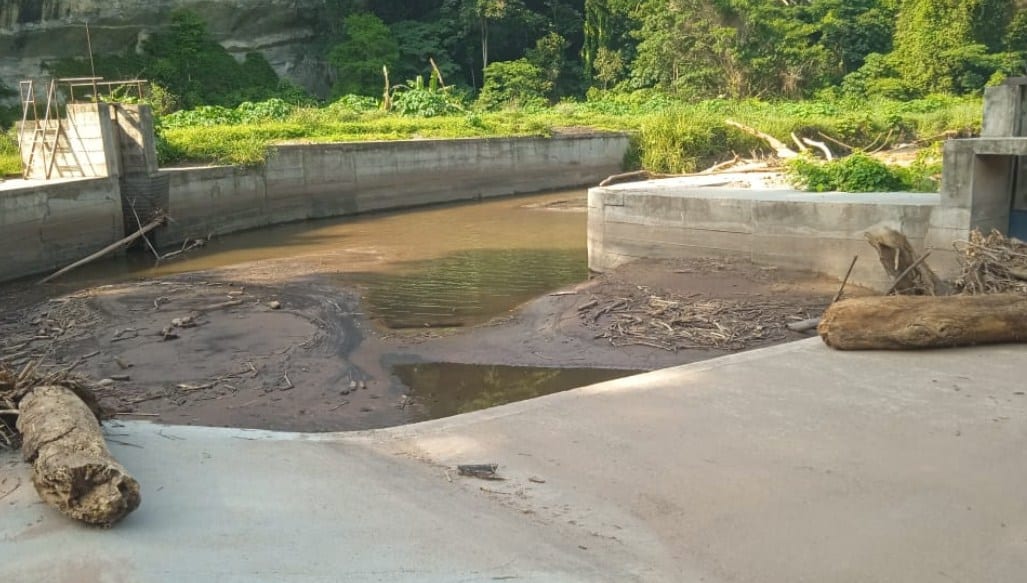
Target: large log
column 72, row 469
column 904, row 322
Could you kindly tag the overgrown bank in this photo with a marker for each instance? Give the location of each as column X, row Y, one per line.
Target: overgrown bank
column 669, row 136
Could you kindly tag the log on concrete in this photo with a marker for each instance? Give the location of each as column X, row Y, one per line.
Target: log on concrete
column 904, row 322
column 73, row 471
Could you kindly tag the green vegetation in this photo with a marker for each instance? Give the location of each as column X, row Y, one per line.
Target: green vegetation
column 10, row 159
column 864, row 72
column 672, row 136
column 862, row 173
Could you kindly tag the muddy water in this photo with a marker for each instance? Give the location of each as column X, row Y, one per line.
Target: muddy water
column 445, row 389
column 454, row 265
column 450, row 266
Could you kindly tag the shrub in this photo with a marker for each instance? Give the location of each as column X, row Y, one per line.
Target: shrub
column 857, row 173
column 513, row 84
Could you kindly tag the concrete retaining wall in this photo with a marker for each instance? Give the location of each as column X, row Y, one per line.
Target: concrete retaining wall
column 327, row 180
column 44, row 226
column 817, row 232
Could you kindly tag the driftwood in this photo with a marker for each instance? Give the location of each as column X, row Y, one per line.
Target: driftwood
column 909, row 273
column 782, row 150
column 804, row 325
column 820, row 146
column 157, row 222
column 904, row 322
column 721, row 166
column 627, row 177
column 992, row 263
column 72, row 469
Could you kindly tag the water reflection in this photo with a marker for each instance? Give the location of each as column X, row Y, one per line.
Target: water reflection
column 446, row 389
column 468, row 287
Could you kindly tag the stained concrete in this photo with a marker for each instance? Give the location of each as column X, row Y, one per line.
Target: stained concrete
column 792, row 463
column 819, row 232
column 46, row 225
column 298, row 182
column 325, row 180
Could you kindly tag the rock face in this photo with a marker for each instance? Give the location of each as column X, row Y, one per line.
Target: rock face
column 34, row 31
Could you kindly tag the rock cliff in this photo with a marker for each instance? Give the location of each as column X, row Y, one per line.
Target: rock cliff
column 33, row 31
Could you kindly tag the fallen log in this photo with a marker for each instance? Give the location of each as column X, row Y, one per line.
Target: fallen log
column 906, row 322
column 782, row 151
column 72, row 469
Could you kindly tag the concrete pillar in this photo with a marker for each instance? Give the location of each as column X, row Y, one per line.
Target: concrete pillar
column 1002, row 111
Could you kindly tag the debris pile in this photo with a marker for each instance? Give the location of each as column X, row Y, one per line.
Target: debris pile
column 672, row 323
column 985, row 306
column 992, row 264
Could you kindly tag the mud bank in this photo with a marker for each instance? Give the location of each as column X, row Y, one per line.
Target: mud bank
column 275, row 345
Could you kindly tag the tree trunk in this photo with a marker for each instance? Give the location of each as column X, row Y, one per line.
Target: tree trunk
column 901, row 263
column 903, row 322
column 72, row 469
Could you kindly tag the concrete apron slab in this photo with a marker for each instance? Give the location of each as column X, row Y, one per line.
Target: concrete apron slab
column 792, row 463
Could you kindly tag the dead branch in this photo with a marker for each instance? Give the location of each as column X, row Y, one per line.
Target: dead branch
column 155, row 223
column 897, row 256
column 820, row 146
column 845, row 281
column 675, row 322
column 722, row 165
column 804, row 325
column 782, row 151
column 905, row 272
column 836, row 141
column 798, row 142
column 991, row 263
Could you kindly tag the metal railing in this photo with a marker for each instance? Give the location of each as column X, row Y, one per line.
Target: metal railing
column 114, row 89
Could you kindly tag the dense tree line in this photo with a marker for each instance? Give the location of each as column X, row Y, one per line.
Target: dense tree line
column 523, row 51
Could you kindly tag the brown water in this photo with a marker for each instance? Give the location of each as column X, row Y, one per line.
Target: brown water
column 445, row 389
column 453, row 265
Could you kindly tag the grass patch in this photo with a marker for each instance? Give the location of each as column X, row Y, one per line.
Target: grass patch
column 10, row 159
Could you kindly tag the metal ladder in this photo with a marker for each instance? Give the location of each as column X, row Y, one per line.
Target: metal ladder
column 46, row 133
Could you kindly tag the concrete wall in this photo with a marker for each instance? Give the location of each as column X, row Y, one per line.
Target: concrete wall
column 84, row 145
column 137, row 147
column 327, row 180
column 44, row 226
column 816, row 232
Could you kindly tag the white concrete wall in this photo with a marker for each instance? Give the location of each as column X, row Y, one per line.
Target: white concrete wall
column 44, row 226
column 85, row 147
column 816, row 232
column 326, row 180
